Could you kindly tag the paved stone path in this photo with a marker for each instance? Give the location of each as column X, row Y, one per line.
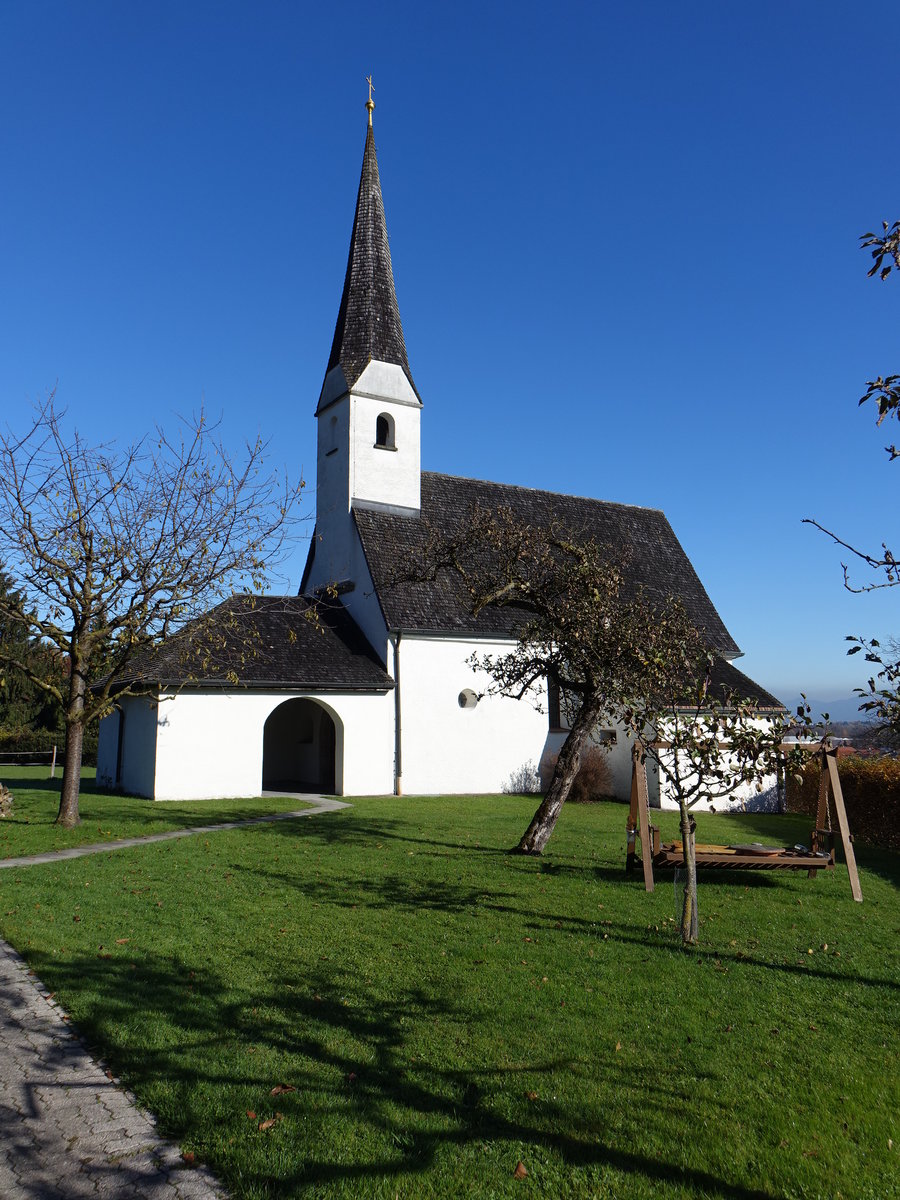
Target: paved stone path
column 318, row 804
column 67, row 1130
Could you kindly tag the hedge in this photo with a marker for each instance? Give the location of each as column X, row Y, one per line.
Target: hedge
column 15, row 744
column 871, row 788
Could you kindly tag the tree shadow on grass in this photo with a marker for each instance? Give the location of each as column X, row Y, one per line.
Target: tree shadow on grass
column 348, row 1069
column 397, row 893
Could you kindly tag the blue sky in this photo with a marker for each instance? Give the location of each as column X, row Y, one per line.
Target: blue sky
column 624, row 242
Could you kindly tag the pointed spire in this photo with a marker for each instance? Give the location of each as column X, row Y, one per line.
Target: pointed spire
column 368, row 324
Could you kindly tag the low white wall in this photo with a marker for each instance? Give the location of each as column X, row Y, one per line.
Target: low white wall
column 446, row 748
column 210, row 744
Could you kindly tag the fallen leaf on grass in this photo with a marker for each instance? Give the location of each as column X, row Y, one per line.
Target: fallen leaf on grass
column 251, row 1114
column 531, row 1095
column 264, row 1125
column 520, row 1172
column 190, row 1158
column 281, row 1088
column 618, row 1047
column 121, row 941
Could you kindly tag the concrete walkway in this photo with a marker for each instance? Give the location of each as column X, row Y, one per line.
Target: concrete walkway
column 318, row 804
column 69, row 1132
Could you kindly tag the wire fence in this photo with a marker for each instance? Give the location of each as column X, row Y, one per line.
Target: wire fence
column 54, row 759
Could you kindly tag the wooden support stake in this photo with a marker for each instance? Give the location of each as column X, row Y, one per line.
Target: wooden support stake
column 53, row 763
column 821, row 810
column 843, row 825
column 639, row 791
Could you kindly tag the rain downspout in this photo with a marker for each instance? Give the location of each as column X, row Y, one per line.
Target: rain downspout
column 398, row 739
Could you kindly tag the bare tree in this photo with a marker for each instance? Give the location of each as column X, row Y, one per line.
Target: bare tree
column 880, row 697
column 113, row 549
column 604, row 646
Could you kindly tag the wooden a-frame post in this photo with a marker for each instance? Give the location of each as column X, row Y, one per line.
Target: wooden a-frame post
column 639, row 818
column 830, row 782
column 829, row 790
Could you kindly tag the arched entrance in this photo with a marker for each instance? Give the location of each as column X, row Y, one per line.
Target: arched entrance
column 299, row 748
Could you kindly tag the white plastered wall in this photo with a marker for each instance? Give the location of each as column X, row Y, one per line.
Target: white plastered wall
column 611, row 740
column 362, row 602
column 446, row 748
column 210, row 743
column 763, row 796
column 390, row 477
column 137, row 715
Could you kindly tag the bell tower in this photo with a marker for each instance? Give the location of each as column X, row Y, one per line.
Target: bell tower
column 369, row 410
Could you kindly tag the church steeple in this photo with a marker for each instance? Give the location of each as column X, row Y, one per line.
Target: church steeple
column 369, row 414
column 368, row 325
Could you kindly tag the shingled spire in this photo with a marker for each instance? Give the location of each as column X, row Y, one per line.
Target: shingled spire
column 368, row 325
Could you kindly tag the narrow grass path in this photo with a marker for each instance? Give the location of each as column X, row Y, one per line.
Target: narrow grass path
column 316, row 804
column 108, row 817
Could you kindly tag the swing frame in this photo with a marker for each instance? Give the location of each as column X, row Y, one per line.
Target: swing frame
column 653, row 853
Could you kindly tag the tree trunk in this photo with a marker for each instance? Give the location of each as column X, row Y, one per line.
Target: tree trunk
column 71, row 780
column 544, row 820
column 690, row 931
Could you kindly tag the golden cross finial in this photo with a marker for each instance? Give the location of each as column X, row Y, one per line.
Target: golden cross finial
column 370, row 103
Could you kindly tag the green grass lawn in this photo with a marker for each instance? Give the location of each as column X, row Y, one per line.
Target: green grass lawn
column 439, row 1010
column 106, row 816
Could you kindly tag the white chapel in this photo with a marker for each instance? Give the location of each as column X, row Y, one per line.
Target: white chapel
column 377, row 695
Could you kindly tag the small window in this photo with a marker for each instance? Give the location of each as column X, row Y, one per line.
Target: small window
column 332, row 430
column 553, row 702
column 384, row 432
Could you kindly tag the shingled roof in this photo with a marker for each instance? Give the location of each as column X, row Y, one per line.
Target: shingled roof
column 653, row 554
column 268, row 642
column 725, row 679
column 368, row 324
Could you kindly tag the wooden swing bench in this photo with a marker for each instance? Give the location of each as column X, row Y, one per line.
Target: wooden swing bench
column 752, row 856
column 748, row 856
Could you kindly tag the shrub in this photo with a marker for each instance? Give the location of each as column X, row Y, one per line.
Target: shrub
column 871, row 788
column 593, row 781
column 524, row 780
column 18, row 744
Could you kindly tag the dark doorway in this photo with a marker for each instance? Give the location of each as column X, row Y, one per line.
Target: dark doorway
column 299, row 749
